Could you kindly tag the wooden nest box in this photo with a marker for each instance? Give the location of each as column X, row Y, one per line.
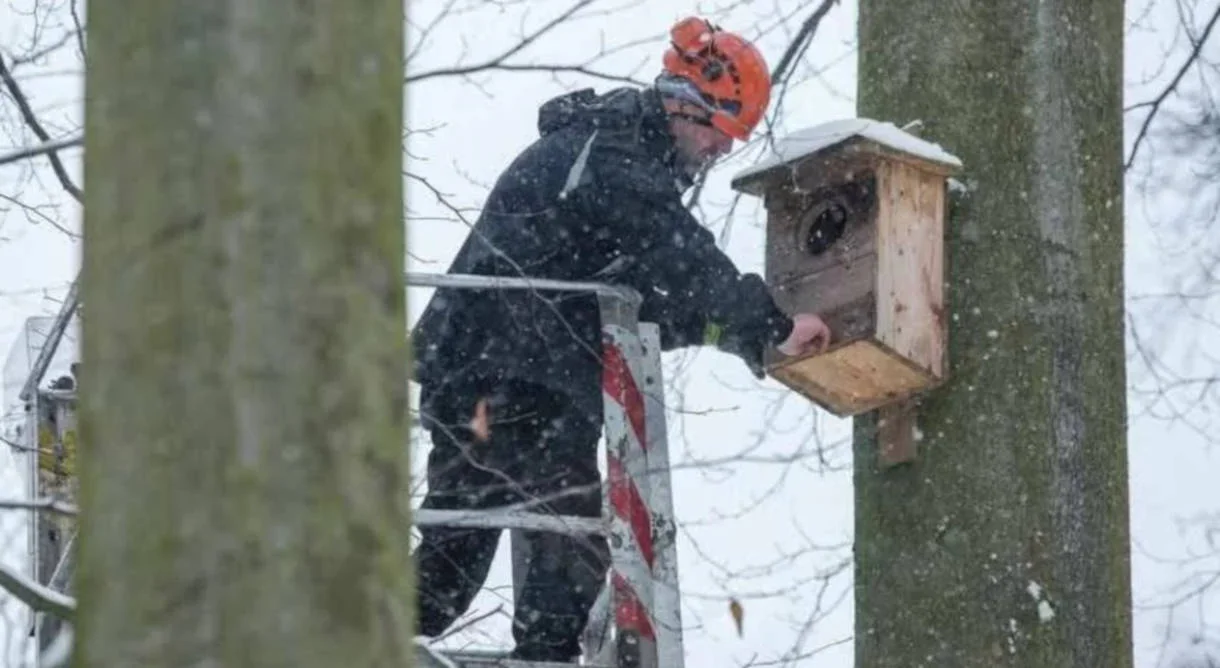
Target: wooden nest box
column 855, row 233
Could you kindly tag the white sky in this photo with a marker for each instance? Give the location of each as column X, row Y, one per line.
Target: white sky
column 754, row 527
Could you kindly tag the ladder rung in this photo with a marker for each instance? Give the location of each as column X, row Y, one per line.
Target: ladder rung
column 497, row 519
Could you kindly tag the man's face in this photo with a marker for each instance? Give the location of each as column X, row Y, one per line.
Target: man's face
column 697, row 144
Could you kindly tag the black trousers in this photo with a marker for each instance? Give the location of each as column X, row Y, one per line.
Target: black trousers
column 538, row 450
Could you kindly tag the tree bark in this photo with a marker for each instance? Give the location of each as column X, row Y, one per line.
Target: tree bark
column 244, row 401
column 1006, row 543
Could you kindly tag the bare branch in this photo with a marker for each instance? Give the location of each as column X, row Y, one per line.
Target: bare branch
column 555, row 69
column 1156, row 103
column 37, row 596
column 36, row 216
column 48, row 147
column 45, row 504
column 79, row 32
column 499, row 61
column 31, row 120
column 43, row 52
column 801, row 42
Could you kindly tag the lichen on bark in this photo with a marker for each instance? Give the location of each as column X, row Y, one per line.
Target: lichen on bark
column 1006, row 543
column 244, row 406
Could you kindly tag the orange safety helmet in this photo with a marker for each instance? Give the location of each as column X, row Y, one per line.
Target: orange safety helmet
column 729, row 73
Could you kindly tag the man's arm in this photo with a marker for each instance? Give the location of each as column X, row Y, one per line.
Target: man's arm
column 691, row 289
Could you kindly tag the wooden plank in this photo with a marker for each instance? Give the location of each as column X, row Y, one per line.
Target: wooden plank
column 910, row 280
column 855, row 378
column 896, row 441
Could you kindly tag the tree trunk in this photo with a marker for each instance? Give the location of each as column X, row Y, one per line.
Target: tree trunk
column 1006, row 544
column 244, row 401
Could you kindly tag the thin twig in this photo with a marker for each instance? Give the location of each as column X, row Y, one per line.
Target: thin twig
column 31, row 119
column 41, row 53
column 458, row 628
column 1160, row 99
column 498, row 62
column 798, row 44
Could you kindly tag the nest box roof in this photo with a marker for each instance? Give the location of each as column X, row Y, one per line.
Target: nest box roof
column 818, row 138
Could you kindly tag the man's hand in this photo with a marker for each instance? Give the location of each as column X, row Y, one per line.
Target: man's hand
column 479, row 423
column 809, row 334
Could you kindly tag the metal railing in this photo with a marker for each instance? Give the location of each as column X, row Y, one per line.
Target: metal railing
column 639, row 606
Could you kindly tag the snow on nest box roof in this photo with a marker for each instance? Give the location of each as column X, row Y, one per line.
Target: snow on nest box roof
column 806, row 142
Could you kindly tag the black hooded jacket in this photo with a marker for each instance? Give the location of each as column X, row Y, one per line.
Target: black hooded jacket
column 595, row 198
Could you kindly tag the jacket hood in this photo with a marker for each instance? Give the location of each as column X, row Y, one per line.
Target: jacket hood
column 619, row 109
column 636, row 116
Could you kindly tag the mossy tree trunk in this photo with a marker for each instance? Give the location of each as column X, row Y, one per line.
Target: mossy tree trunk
column 1006, row 544
column 244, row 401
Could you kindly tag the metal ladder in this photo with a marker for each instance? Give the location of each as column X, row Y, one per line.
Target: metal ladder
column 48, row 433
column 636, row 621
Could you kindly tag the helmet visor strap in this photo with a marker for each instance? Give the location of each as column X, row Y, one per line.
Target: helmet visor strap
column 682, row 90
column 733, row 107
column 704, row 120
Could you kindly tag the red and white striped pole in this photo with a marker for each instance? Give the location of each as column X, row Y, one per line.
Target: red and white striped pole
column 666, row 599
column 630, row 537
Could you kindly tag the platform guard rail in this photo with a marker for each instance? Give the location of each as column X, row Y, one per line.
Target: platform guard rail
column 636, row 623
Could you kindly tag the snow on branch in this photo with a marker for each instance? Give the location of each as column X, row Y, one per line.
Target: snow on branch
column 47, row 504
column 37, row 596
column 45, row 148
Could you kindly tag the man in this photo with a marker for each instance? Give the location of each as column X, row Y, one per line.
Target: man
column 510, row 379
